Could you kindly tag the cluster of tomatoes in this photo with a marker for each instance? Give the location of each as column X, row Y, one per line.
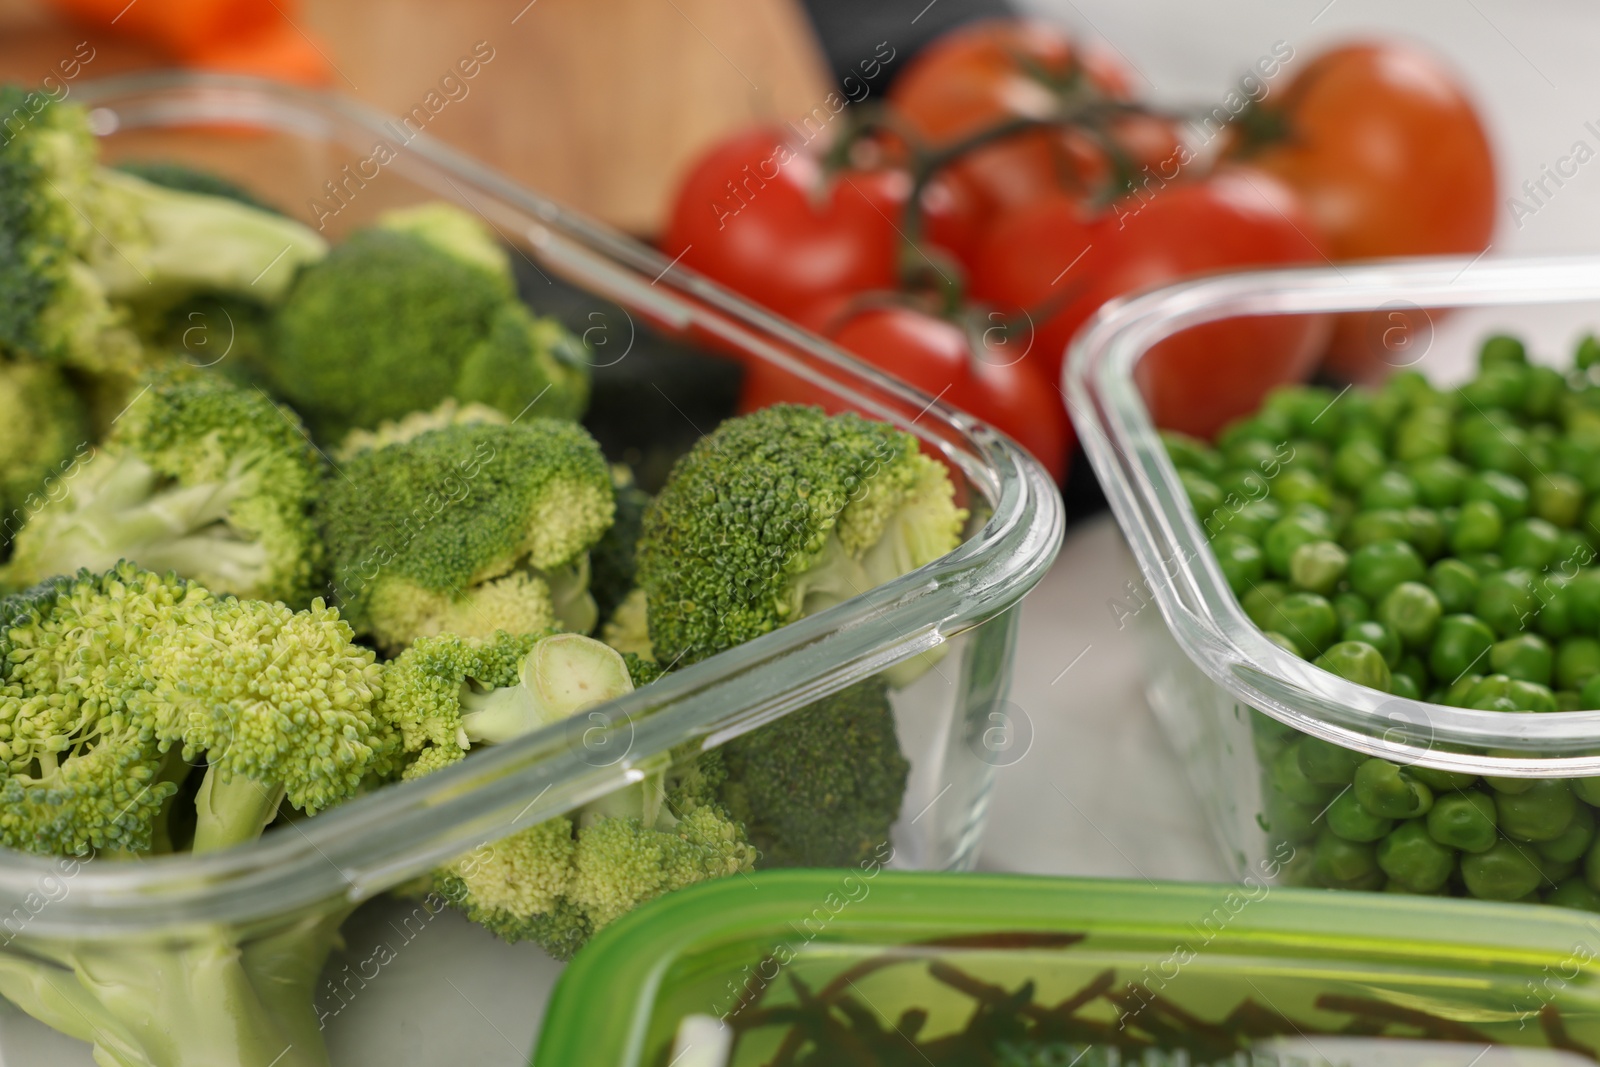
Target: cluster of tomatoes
column 957, row 236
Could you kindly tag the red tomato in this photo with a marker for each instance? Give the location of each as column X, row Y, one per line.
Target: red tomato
column 1061, row 267
column 1390, row 158
column 989, row 73
column 767, row 221
column 937, row 357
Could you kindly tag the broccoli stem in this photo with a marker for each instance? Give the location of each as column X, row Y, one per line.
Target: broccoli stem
column 232, row 813
column 563, row 675
column 192, row 242
column 193, row 1003
column 574, row 605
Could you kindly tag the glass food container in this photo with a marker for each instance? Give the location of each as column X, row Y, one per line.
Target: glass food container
column 1044, row 972
column 1238, row 708
column 337, row 165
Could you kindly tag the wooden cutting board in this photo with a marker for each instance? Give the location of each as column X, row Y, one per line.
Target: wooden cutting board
column 598, row 103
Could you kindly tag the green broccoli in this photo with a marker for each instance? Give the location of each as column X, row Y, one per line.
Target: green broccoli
column 821, row 786
column 119, row 686
column 80, row 242
column 200, row 476
column 558, row 882
column 781, row 514
column 468, row 530
column 413, row 310
column 628, row 629
column 45, row 440
column 450, row 412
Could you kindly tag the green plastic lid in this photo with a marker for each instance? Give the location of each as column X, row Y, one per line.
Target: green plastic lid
column 872, row 967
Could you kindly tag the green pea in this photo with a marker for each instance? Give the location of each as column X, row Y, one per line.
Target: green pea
column 1284, row 642
column 1412, row 667
column 1309, row 619
column 1457, row 693
column 1500, row 349
column 1254, row 518
column 1337, row 862
column 1425, row 531
column 1261, row 604
column 1506, row 601
column 1583, row 598
column 1585, row 789
column 1502, row 872
column 1351, row 608
column 1423, row 435
column 1347, row 818
column 1252, row 453
column 1413, row 858
column 1390, row 489
column 1242, row 561
column 1574, row 841
column 1442, row 781
column 1318, row 566
column 1358, row 662
column 1529, row 543
column 1326, row 763
column 1271, row 426
column 1305, row 406
column 1587, row 353
column 1553, row 872
column 1204, row 494
column 1540, row 813
column 1288, row 779
column 1191, row 453
column 1285, row 820
column 1380, row 637
column 1412, row 611
column 1546, row 388
column 1525, row 656
column 1288, row 534
column 1478, row 528
column 1506, row 492
column 1296, row 485
column 1357, row 462
column 1368, row 527
column 1379, row 567
column 1461, row 643
column 1482, row 563
column 1567, row 700
column 1464, row 821
column 1574, row 893
column 1573, row 550
column 1455, row 584
column 1387, row 790
column 1440, row 480
column 1555, row 607
column 1589, row 696
column 1501, row 692
column 1405, row 686
column 1557, row 498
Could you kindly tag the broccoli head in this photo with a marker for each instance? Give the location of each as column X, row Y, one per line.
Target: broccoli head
column 468, row 529
column 450, row 412
column 46, row 438
column 80, row 243
column 121, row 689
column 199, row 476
column 781, row 514
column 821, row 786
column 405, row 313
column 559, row 881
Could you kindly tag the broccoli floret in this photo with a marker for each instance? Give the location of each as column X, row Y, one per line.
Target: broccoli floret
column 821, row 786
column 204, row 331
column 558, row 882
column 781, row 514
column 200, row 476
column 401, row 315
column 468, row 530
column 116, row 688
column 46, row 438
column 79, row 242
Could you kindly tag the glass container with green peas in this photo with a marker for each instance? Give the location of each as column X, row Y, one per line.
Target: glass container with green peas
column 1439, row 560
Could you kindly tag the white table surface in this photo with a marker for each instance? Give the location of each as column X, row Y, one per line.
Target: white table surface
column 1099, row 793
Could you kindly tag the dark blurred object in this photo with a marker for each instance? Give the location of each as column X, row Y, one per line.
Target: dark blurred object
column 851, row 32
column 636, row 420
